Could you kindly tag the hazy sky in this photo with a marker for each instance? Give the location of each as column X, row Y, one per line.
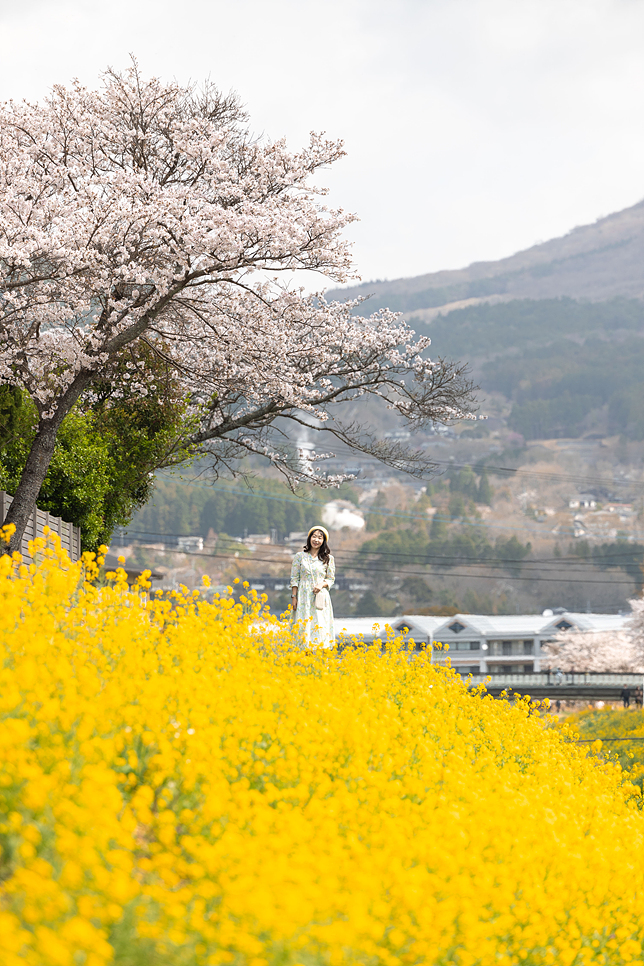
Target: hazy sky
column 474, row 127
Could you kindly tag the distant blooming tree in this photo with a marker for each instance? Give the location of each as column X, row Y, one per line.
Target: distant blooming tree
column 602, row 650
column 143, row 215
column 635, row 628
column 594, row 651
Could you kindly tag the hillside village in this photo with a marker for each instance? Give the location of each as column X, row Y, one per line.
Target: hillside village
column 559, row 539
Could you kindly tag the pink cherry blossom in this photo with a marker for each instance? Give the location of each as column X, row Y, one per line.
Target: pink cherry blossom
column 146, row 211
column 576, row 650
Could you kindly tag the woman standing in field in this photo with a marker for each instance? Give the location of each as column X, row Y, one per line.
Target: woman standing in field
column 312, row 574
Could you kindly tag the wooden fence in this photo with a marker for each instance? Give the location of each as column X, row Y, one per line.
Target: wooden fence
column 70, row 536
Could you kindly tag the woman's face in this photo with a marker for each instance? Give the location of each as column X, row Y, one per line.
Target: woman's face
column 317, row 539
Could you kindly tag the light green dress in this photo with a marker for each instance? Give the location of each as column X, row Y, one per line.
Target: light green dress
column 316, row 626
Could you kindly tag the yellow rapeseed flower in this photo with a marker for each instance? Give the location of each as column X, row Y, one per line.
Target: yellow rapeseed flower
column 181, row 786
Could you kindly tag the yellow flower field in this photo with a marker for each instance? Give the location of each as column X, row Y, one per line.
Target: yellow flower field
column 181, row 788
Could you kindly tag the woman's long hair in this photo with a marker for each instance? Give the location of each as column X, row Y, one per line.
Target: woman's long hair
column 324, row 552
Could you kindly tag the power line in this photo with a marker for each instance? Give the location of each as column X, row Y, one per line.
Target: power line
column 382, row 511
column 445, row 559
column 404, row 573
column 514, row 561
column 516, row 470
column 552, row 477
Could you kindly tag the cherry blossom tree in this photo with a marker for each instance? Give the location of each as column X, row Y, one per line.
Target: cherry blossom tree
column 144, row 213
column 635, row 629
column 575, row 650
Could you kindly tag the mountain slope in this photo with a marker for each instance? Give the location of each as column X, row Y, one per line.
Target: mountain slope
column 564, row 367
column 556, row 332
column 601, row 261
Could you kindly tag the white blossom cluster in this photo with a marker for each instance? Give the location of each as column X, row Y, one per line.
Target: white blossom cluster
column 129, row 211
column 615, row 651
column 145, row 212
column 574, row 650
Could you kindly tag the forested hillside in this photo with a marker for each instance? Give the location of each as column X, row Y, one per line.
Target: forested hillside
column 557, row 328
column 190, row 507
column 478, row 332
column 567, row 367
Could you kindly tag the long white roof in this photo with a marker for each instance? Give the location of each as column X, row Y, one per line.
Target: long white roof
column 480, row 625
column 539, row 623
column 488, row 626
column 594, row 622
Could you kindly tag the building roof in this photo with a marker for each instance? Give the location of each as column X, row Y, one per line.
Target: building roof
column 491, row 625
column 482, row 625
column 593, row 622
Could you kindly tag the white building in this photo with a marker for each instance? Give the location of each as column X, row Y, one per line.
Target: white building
column 190, row 544
column 480, row 644
column 338, row 514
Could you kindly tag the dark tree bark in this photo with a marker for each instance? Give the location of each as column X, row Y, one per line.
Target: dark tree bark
column 31, row 481
column 37, row 464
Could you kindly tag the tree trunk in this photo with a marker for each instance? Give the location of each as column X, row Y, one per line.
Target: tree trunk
column 35, row 471
column 31, row 481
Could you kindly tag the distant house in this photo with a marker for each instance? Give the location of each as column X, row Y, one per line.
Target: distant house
column 585, row 501
column 190, row 544
column 338, row 514
column 480, row 644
